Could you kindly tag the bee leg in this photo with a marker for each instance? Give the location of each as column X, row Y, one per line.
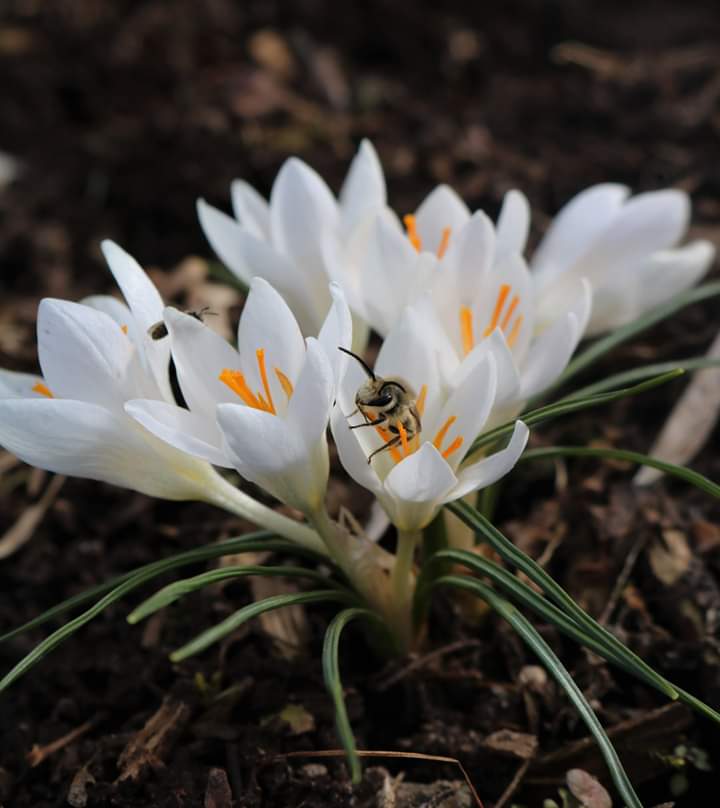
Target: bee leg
column 391, row 444
column 379, row 422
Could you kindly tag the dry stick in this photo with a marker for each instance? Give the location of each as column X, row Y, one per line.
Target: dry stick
column 623, row 577
column 423, row 661
column 40, row 753
column 331, row 753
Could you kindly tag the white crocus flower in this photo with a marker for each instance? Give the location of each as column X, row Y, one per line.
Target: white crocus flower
column 95, row 356
column 262, row 409
column 625, row 246
column 413, row 479
column 283, row 240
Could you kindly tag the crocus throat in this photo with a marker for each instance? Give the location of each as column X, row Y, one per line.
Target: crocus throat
column 414, row 237
column 410, row 445
column 501, row 317
column 261, row 400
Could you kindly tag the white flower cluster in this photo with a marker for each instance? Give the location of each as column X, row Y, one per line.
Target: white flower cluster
column 470, row 329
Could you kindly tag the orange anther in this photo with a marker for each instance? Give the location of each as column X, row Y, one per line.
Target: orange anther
column 453, row 447
column 509, row 313
column 412, row 233
column 444, row 241
column 285, row 383
column 466, row 329
column 512, row 337
column 403, row 439
column 260, row 354
column 43, row 390
column 499, row 303
column 420, row 402
column 442, row 432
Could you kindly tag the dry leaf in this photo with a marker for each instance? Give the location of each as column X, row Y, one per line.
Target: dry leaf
column 587, row 789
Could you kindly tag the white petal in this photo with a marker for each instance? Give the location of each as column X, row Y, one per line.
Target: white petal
column 490, row 469
column 185, row 430
column 267, row 323
column 336, row 332
column 251, row 209
column 85, row 355
column 18, row 385
column 309, row 407
column 200, row 356
column 508, row 378
column 440, row 209
column 84, row 440
column 417, row 485
column 466, row 265
column 249, row 257
column 351, row 454
column 513, row 223
column 146, row 306
column 364, row 188
column 123, row 317
column 577, row 224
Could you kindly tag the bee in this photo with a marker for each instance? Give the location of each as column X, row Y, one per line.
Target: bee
column 386, row 403
column 159, row 330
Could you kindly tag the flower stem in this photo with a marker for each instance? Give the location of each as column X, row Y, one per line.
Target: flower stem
column 233, row 500
column 403, row 585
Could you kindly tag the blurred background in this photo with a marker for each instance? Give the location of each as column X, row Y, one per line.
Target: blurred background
column 115, row 116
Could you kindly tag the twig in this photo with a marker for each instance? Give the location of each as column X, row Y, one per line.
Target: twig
column 423, row 661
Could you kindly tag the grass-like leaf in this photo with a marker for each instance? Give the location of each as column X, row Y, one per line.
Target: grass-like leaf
column 178, row 589
column 259, row 540
column 333, row 683
column 507, row 551
column 230, row 624
column 566, row 406
column 684, row 473
column 619, row 335
column 641, row 373
column 530, row 635
column 521, row 593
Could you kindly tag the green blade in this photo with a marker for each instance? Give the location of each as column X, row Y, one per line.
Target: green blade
column 531, row 637
column 565, row 406
column 230, row 624
column 690, row 476
column 333, row 683
column 507, row 550
column 619, row 335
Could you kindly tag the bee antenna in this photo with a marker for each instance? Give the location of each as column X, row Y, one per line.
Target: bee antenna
column 363, row 363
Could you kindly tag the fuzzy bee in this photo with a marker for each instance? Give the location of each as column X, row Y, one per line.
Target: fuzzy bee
column 388, row 404
column 159, row 330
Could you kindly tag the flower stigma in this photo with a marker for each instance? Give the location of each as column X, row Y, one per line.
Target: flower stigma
column 466, row 320
column 235, row 380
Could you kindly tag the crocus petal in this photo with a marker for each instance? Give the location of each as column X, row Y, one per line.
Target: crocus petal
column 84, row 355
column 18, row 385
column 487, row 471
column 250, row 209
column 508, row 378
column 337, row 332
column 146, row 306
column 351, row 454
column 466, row 265
column 309, row 407
column 364, row 188
column 187, row 431
column 415, row 487
column 441, row 208
column 84, row 440
column 123, row 317
column 577, row 224
column 513, row 223
column 248, row 257
column 200, row 356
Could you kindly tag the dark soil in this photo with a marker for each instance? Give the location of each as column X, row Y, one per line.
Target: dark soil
column 121, row 114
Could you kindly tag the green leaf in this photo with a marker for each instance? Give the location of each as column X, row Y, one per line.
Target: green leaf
column 260, row 540
column 619, row 335
column 178, row 589
column 641, row 373
column 230, row 624
column 507, row 550
column 333, row 683
column 520, row 592
column 565, row 406
column 684, row 473
column 530, row 635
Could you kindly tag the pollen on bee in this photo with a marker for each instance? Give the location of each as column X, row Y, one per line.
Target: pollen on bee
column 43, row 390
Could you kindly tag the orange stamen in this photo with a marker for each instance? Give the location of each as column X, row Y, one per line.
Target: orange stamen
column 420, row 403
column 394, row 451
column 260, row 353
column 43, row 390
column 235, row 380
column 499, row 303
column 509, row 313
column 444, row 241
column 404, row 440
column 124, row 329
column 453, row 447
column 466, row 329
column 412, row 233
column 442, row 432
column 285, row 383
column 512, row 338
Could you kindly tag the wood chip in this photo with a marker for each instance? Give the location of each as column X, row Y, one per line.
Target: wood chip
column 148, row 748
column 690, row 423
column 77, row 793
column 587, row 789
column 516, row 744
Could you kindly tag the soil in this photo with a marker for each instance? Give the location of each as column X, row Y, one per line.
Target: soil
column 118, row 115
